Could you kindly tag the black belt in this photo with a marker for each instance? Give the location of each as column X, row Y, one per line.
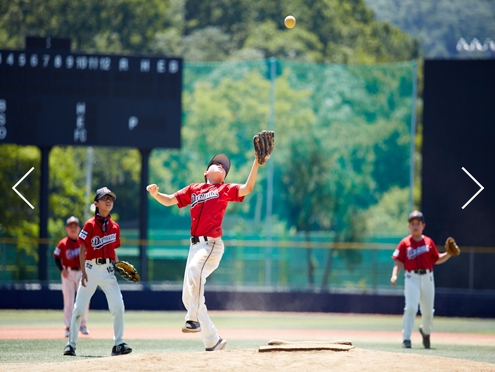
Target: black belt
column 74, row 268
column 197, row 239
column 102, row 261
column 420, row 271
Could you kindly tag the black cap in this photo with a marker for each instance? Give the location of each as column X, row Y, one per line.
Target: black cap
column 100, row 193
column 220, row 159
column 72, row 219
column 418, row 215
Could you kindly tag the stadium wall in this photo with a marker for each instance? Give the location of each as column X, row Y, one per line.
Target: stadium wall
column 471, row 305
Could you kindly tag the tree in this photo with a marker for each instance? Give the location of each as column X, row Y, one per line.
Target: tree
column 305, row 178
column 93, row 25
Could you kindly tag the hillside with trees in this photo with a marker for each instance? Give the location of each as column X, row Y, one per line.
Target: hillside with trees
column 440, row 24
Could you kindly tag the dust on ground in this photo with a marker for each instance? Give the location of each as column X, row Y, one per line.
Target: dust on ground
column 250, row 360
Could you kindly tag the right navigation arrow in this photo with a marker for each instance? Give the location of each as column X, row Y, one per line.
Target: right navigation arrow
column 479, row 184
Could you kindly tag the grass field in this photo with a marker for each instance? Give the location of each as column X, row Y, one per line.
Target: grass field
column 470, row 339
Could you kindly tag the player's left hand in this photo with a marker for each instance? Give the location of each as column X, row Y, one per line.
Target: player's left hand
column 266, row 157
column 263, row 143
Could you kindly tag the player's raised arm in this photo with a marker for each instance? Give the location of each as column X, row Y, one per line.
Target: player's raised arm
column 263, row 146
column 165, row 199
column 248, row 187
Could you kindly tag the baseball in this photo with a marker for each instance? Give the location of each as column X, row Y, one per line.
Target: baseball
column 290, row 21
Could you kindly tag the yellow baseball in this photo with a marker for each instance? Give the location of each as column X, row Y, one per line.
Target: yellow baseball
column 290, row 21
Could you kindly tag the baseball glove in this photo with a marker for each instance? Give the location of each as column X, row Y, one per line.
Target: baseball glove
column 127, row 271
column 263, row 145
column 451, row 247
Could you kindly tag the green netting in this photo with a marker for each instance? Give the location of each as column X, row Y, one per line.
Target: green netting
column 341, row 168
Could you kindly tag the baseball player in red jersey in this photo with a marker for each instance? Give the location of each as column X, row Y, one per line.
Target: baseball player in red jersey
column 67, row 260
column 208, row 202
column 99, row 239
column 417, row 254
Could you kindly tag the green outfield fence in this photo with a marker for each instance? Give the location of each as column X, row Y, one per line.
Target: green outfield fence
column 363, row 266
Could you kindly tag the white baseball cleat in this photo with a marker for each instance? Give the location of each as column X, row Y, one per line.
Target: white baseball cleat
column 219, row 346
column 84, row 330
column 191, row 327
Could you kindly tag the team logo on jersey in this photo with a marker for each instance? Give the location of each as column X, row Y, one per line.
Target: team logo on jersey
column 83, row 234
column 201, row 198
column 72, row 253
column 97, row 242
column 413, row 253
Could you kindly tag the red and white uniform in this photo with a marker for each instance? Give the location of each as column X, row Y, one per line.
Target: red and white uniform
column 208, row 204
column 419, row 287
column 68, row 252
column 99, row 245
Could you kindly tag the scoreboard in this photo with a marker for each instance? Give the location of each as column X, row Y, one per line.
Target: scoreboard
column 54, row 97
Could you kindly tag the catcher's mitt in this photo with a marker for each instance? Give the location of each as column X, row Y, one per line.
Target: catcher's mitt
column 127, row 271
column 451, row 247
column 263, row 145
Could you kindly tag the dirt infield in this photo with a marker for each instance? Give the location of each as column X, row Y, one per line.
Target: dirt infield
column 251, row 360
column 251, row 334
column 159, row 345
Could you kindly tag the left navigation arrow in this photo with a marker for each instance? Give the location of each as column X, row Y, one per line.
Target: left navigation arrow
column 18, row 193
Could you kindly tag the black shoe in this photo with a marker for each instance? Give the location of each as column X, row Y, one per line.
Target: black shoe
column 69, row 350
column 406, row 344
column 220, row 345
column 121, row 349
column 426, row 338
column 191, row 327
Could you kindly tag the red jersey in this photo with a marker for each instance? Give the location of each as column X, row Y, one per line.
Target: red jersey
column 208, row 204
column 99, row 243
column 416, row 254
column 68, row 252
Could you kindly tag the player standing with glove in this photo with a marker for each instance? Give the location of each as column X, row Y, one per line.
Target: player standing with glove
column 67, row 260
column 99, row 239
column 417, row 254
column 208, row 203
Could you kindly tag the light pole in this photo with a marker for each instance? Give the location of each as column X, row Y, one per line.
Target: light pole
column 269, row 188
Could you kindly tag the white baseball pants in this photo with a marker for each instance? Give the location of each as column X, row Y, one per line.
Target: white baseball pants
column 69, row 289
column 418, row 290
column 203, row 259
column 103, row 276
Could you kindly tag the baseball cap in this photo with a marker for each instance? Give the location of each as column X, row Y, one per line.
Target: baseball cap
column 220, row 159
column 100, row 193
column 72, row 219
column 418, row 215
